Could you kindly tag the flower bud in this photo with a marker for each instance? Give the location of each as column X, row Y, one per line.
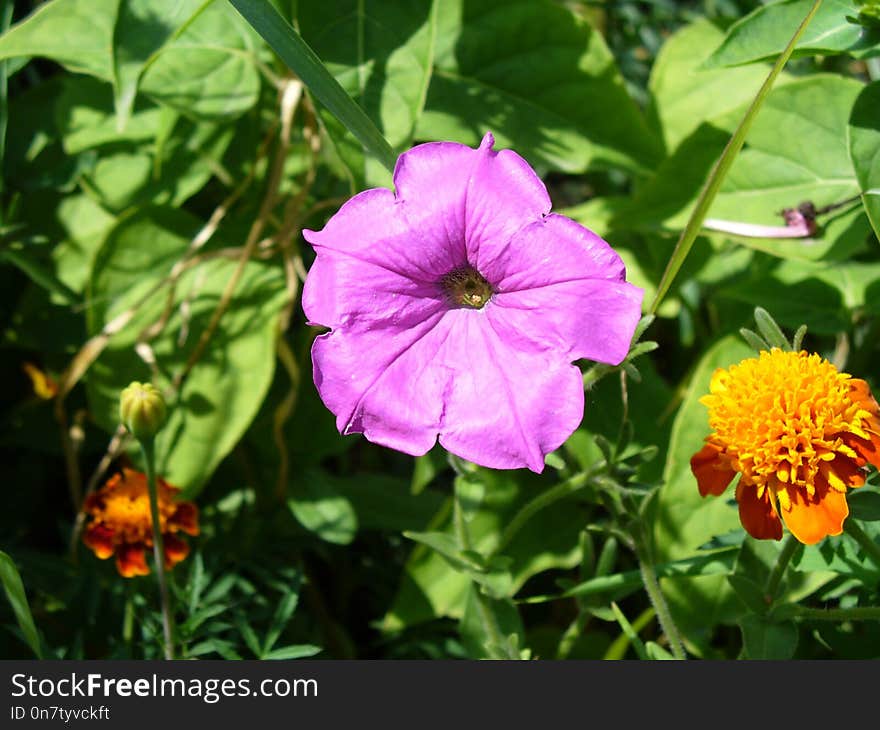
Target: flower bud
column 142, row 410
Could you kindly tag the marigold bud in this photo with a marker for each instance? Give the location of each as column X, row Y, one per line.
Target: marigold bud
column 142, row 410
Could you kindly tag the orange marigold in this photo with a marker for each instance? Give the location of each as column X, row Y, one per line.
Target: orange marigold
column 799, row 432
column 121, row 522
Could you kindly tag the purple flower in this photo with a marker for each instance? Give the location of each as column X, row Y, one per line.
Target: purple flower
column 457, row 306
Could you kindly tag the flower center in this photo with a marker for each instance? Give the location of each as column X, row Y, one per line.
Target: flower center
column 783, row 416
column 466, row 287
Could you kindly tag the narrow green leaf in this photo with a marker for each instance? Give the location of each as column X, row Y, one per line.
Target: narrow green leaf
column 762, row 34
column 770, row 330
column 286, row 606
column 296, row 651
column 5, row 20
column 719, row 171
column 864, row 149
column 765, row 639
column 39, row 274
column 629, row 631
column 294, row 51
column 753, row 339
column 18, row 600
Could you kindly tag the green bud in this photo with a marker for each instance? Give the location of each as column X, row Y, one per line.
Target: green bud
column 142, row 410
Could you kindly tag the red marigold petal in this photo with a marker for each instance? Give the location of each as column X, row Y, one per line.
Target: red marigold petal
column 131, row 560
column 812, row 518
column 94, row 502
column 175, row 550
column 869, row 449
column 841, row 473
column 713, row 474
column 99, row 539
column 757, row 514
column 860, row 392
column 186, row 518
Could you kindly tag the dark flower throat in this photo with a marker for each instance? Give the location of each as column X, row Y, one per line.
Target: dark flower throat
column 466, row 287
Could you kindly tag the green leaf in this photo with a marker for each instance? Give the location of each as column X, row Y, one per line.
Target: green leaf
column 685, row 95
column 226, row 387
column 75, row 33
column 765, row 639
column 770, row 330
column 321, row 509
column 203, row 68
column 431, row 587
column 824, row 296
column 86, row 223
column 295, row 651
column 85, row 117
column 842, row 556
column 283, row 613
column 473, row 630
column 384, row 502
column 297, row 54
column 749, row 592
column 683, row 520
column 657, row 652
column 541, row 80
column 630, row 633
column 381, row 53
column 864, row 149
column 447, row 546
column 471, row 490
column 810, row 162
column 14, row 589
column 208, row 70
column 763, row 34
column 864, row 505
column 142, row 28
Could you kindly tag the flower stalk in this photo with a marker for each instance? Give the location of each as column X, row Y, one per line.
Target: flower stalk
column 487, row 617
column 149, row 452
column 142, row 411
column 775, row 577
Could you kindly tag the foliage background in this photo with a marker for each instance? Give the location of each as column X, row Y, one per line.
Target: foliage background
column 153, row 151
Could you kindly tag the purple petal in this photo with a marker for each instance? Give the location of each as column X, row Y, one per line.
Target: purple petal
column 592, row 318
column 371, row 228
column 456, row 197
column 505, row 408
column 549, row 251
column 368, row 266
column 385, row 383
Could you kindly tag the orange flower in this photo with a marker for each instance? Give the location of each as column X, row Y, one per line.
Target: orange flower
column 121, row 523
column 799, row 432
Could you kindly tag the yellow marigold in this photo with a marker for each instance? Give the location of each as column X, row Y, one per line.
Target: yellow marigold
column 799, row 432
column 121, row 523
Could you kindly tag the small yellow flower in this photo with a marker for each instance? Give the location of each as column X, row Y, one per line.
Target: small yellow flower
column 121, row 523
column 799, row 432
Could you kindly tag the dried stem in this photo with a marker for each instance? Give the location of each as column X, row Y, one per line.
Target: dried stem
column 290, row 97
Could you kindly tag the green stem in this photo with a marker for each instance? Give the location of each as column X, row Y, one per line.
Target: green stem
column 871, row 548
column 149, row 452
column 658, row 601
column 722, row 166
column 775, row 577
column 484, row 607
column 128, row 619
column 554, row 494
column 859, row 613
column 304, row 62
